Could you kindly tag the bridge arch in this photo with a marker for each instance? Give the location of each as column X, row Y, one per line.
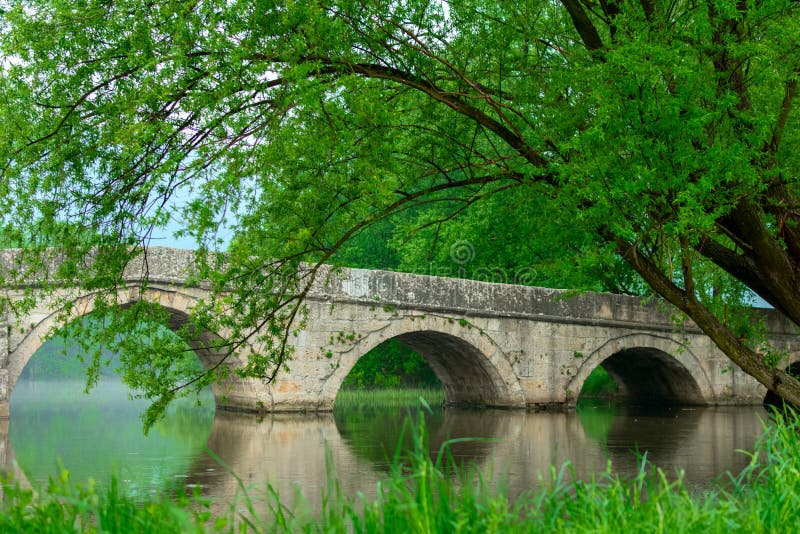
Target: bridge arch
column 471, row 366
column 175, row 302
column 648, row 368
column 791, row 364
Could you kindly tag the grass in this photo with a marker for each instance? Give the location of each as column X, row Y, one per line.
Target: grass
column 425, row 495
column 64, row 507
column 388, row 398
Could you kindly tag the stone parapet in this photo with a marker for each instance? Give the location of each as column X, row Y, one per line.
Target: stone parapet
column 442, row 294
column 486, row 299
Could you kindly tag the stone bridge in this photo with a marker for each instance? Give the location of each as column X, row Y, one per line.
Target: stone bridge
column 490, row 344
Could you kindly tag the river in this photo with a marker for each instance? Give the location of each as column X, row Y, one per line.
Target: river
column 100, row 434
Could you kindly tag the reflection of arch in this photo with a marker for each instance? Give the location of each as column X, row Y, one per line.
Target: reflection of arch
column 373, row 435
column 289, row 451
column 8, row 460
column 703, row 443
column 472, row 368
column 649, row 368
column 177, row 303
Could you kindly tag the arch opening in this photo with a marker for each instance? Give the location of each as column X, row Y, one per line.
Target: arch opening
column 390, row 375
column 643, row 375
column 466, row 374
column 201, row 343
column 772, row 399
column 63, row 356
column 153, row 321
column 99, row 434
column 468, row 378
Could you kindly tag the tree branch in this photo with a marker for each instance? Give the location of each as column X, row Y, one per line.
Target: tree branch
column 456, row 103
column 783, row 115
column 740, row 266
column 584, row 26
column 776, row 380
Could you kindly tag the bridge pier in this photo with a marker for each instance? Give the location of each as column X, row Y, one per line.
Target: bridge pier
column 4, row 386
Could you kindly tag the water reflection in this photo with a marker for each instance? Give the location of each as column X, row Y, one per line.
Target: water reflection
column 597, row 418
column 704, row 442
column 285, row 450
column 100, row 434
column 291, row 451
column 373, row 434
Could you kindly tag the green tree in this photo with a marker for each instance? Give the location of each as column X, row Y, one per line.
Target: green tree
column 391, row 364
column 662, row 133
column 509, row 237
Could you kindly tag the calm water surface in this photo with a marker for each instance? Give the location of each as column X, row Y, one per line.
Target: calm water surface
column 100, row 434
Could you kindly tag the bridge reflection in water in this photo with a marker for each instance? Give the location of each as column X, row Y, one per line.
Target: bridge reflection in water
column 289, row 451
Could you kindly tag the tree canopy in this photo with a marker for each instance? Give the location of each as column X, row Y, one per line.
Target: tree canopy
column 661, row 134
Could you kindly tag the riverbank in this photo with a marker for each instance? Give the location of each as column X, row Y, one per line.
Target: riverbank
column 357, row 398
column 424, row 494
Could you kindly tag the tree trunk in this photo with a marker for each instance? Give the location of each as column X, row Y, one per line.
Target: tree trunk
column 776, row 380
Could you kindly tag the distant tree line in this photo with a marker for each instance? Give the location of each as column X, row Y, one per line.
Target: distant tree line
column 58, row 359
column 390, row 365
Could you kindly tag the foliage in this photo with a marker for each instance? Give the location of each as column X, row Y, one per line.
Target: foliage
column 391, row 364
column 658, row 134
column 598, row 384
column 483, row 242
